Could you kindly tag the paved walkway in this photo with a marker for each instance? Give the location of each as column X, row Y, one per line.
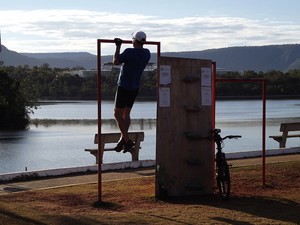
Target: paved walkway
column 14, row 187
column 45, row 183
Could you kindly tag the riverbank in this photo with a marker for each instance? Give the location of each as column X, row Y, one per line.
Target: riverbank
column 116, row 172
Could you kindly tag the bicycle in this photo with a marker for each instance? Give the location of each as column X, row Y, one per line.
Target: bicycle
column 222, row 167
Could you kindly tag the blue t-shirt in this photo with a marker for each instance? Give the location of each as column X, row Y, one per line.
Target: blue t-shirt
column 134, row 62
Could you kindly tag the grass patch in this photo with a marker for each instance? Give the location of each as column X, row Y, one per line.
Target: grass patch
column 132, row 201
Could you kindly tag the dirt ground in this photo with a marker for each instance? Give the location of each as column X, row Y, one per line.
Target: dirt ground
column 132, row 201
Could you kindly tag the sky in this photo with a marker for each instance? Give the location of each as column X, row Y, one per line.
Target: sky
column 190, row 25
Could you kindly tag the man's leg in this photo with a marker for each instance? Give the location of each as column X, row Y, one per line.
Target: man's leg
column 123, row 103
column 122, row 116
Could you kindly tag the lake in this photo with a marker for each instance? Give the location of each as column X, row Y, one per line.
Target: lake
column 62, row 130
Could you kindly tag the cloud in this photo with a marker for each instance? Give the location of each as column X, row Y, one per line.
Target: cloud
column 78, row 30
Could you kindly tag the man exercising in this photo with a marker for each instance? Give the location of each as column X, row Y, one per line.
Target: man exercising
column 134, row 61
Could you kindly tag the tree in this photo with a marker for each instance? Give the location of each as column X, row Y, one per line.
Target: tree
column 14, row 112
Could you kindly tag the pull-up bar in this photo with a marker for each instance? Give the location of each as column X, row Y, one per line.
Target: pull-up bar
column 100, row 150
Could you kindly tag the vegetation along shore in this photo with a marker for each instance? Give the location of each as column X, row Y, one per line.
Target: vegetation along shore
column 21, row 88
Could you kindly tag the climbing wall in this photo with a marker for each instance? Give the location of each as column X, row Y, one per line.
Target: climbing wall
column 184, row 162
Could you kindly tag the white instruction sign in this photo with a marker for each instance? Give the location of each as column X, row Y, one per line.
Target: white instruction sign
column 164, row 97
column 206, row 96
column 165, row 74
column 206, row 76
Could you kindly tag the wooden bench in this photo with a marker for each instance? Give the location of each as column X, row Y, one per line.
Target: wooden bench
column 109, row 138
column 285, row 128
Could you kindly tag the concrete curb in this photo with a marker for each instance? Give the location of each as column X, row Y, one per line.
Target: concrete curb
column 74, row 170
column 269, row 152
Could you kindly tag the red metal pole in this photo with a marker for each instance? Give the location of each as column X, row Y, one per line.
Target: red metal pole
column 264, row 133
column 157, row 75
column 213, row 86
column 129, row 42
column 99, row 121
column 157, row 59
column 157, row 64
column 214, row 74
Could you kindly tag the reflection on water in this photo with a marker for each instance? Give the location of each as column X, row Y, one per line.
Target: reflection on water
column 61, row 143
column 9, row 137
column 65, row 122
column 136, row 124
column 59, row 133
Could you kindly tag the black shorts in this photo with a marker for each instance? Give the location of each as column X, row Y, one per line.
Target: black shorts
column 125, row 98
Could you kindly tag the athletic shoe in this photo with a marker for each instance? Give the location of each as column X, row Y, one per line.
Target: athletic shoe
column 120, row 145
column 128, row 146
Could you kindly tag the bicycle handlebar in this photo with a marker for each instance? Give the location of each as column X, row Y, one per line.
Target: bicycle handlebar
column 232, row 137
column 223, row 138
column 215, row 136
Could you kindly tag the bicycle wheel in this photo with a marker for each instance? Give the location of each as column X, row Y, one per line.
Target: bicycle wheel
column 223, row 177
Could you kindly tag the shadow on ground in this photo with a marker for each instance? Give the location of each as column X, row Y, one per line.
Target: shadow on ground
column 270, row 208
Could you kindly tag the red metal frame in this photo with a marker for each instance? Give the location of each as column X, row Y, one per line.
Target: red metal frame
column 213, row 91
column 99, row 41
column 253, row 80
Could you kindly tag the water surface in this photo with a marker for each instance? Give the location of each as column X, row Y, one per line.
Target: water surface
column 61, row 131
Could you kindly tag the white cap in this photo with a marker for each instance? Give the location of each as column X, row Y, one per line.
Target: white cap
column 139, row 36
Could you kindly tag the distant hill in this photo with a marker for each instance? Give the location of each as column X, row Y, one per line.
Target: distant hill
column 256, row 58
column 67, row 59
column 262, row 58
column 11, row 58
